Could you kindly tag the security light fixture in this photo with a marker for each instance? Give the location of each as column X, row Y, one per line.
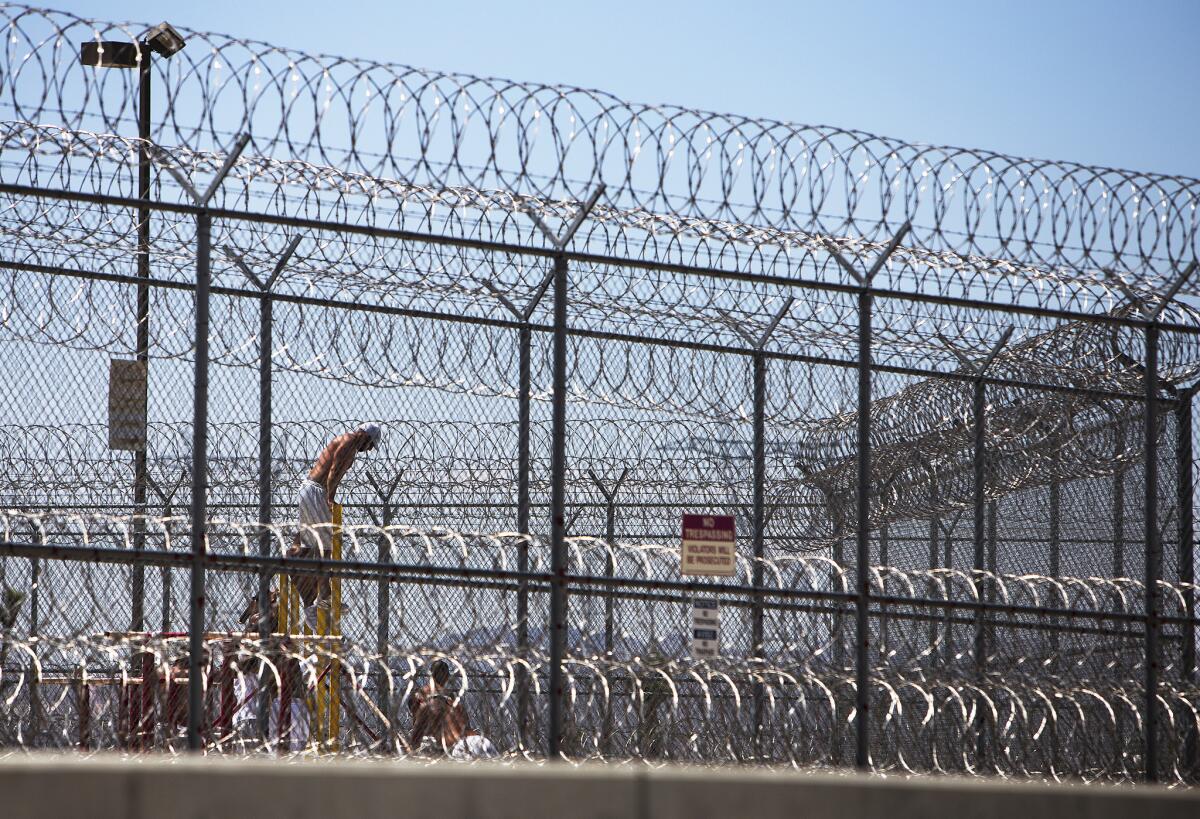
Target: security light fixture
column 109, row 54
column 164, row 39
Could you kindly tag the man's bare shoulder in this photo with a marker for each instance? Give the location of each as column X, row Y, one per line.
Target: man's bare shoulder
column 342, row 439
column 336, row 443
column 329, row 454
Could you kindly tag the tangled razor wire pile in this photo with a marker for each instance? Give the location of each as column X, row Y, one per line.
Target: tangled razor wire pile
column 1036, row 703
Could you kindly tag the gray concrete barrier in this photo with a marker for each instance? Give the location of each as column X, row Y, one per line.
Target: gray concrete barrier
column 225, row 788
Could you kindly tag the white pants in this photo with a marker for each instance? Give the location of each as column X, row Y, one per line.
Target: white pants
column 316, row 519
column 473, row 747
column 297, row 734
column 316, row 522
column 245, row 687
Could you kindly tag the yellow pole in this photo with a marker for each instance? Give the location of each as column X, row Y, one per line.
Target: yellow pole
column 295, row 616
column 282, row 603
column 321, row 732
column 325, row 702
column 288, row 605
column 335, row 633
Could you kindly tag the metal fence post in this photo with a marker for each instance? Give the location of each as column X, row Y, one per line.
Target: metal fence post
column 166, row 500
column 758, row 515
column 523, row 468
column 143, row 327
column 610, row 538
column 759, row 491
column 862, row 637
column 993, row 538
column 265, row 346
column 199, row 510
column 1055, row 572
column 1152, row 542
column 838, row 629
column 757, row 510
column 979, row 454
column 558, row 477
column 383, row 629
column 525, row 343
column 383, row 626
column 1153, row 556
column 1118, row 513
column 1055, row 540
column 862, row 625
column 948, row 642
column 524, row 377
column 383, row 634
column 558, row 474
column 979, row 487
column 978, row 412
column 35, row 701
column 1185, row 488
column 980, row 645
column 759, row 375
column 610, row 534
column 884, row 557
column 199, row 502
column 166, row 586
column 935, row 534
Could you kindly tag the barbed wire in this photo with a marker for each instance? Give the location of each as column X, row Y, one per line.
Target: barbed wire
column 351, row 265
column 727, row 174
column 371, row 349
column 787, row 577
column 122, row 691
column 425, row 469
column 647, row 709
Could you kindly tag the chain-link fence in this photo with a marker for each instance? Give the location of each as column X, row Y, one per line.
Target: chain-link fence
column 945, row 395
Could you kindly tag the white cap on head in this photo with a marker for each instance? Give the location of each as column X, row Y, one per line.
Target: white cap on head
column 373, row 431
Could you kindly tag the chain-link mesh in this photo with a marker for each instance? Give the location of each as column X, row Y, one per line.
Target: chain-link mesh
column 381, row 248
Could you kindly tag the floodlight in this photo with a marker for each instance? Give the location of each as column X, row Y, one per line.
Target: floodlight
column 109, row 54
column 164, row 39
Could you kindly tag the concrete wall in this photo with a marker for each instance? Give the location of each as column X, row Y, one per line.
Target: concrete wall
column 230, row 788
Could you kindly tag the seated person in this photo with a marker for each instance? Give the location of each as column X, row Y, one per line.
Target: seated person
column 441, row 728
column 439, row 678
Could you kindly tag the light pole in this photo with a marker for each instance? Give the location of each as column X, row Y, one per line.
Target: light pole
column 166, row 41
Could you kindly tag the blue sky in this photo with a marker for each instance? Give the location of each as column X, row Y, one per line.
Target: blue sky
column 1098, row 82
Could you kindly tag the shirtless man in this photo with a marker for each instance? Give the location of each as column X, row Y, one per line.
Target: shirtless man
column 317, row 496
column 439, row 678
column 438, row 721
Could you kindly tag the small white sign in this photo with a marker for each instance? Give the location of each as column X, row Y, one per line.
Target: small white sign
column 706, row 629
column 126, row 405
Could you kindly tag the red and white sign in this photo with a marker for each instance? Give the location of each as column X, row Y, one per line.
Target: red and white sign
column 708, row 546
